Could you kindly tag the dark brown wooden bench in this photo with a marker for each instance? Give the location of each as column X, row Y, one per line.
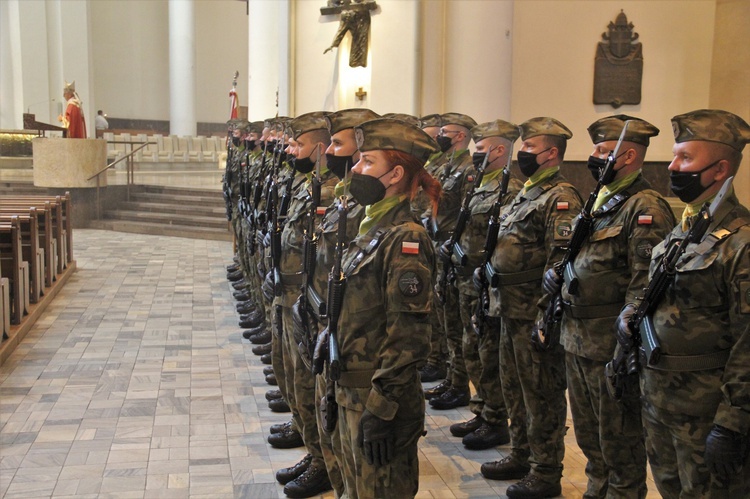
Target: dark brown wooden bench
column 47, row 240
column 31, row 251
column 15, row 268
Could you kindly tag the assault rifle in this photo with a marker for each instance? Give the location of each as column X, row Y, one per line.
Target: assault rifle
column 483, row 303
column 257, row 219
column 547, row 332
column 463, row 219
column 226, row 187
column 626, row 362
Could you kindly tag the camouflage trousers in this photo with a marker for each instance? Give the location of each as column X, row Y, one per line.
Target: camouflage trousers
column 397, row 479
column 277, row 359
column 329, row 442
column 450, row 322
column 482, row 360
column 300, row 386
column 675, row 444
column 438, row 342
column 609, row 432
column 534, row 391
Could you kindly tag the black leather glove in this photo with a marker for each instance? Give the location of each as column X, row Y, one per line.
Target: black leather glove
column 622, row 329
column 551, row 283
column 376, row 439
column 320, row 355
column 478, row 277
column 267, row 287
column 725, row 451
column 445, row 251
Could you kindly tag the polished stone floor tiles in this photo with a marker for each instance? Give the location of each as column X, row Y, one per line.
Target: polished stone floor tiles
column 136, row 383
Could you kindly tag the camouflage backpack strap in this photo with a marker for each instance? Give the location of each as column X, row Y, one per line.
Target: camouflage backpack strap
column 614, row 203
column 720, row 234
column 363, row 252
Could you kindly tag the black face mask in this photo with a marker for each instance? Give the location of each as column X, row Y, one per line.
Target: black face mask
column 251, row 144
column 283, row 157
column 339, row 165
column 687, row 185
column 596, row 164
column 444, row 142
column 304, row 165
column 270, row 145
column 236, row 141
column 478, row 158
column 527, row 162
column 367, row 189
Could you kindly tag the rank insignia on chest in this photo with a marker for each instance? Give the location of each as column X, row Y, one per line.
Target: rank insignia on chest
column 562, row 206
column 645, row 219
column 409, row 248
column 320, row 210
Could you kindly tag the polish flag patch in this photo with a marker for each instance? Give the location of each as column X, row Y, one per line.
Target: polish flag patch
column 410, row 248
column 645, row 219
column 320, row 210
column 562, row 206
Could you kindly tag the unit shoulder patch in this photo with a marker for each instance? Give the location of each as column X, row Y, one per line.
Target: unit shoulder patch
column 410, row 284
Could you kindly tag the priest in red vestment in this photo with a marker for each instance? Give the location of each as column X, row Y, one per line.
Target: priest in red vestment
column 73, row 118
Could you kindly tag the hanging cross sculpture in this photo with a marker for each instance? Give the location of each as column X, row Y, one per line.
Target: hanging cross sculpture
column 355, row 17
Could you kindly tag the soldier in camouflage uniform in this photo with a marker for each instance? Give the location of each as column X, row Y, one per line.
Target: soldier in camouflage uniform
column 490, row 426
column 383, row 335
column 312, row 138
column 534, row 230
column 456, row 174
column 435, row 369
column 696, row 397
column 610, row 270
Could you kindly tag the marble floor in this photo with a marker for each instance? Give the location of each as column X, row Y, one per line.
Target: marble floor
column 136, row 383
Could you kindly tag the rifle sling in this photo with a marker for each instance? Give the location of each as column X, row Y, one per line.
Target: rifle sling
column 498, row 280
column 371, row 246
column 719, row 235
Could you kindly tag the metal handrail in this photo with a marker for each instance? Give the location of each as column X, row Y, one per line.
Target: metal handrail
column 129, row 171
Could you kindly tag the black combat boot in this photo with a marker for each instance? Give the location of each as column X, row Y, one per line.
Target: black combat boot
column 431, row 372
column 507, row 468
column 533, row 487
column 278, row 428
column 243, row 295
column 437, row 390
column 235, row 276
column 273, row 395
column 266, row 359
column 314, row 481
column 262, row 349
column 487, row 436
column 267, row 370
column 452, row 398
column 240, row 285
column 246, row 307
column 286, row 475
column 279, row 405
column 286, row 439
column 271, row 380
column 463, row 429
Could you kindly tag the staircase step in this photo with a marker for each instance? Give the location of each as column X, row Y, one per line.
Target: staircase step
column 188, row 220
column 183, row 199
column 215, row 191
column 188, row 209
column 157, row 229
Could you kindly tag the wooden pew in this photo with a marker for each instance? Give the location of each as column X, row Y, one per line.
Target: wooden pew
column 47, row 240
column 12, row 263
column 32, row 252
column 61, row 213
column 4, row 306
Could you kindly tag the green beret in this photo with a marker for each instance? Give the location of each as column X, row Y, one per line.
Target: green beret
column 497, row 128
column 390, row 134
column 348, row 118
column 609, row 128
column 308, row 122
column 408, row 118
column 431, row 120
column 256, row 127
column 544, row 126
column 458, row 119
column 713, row 125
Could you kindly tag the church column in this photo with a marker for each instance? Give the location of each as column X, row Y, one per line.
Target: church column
column 182, row 119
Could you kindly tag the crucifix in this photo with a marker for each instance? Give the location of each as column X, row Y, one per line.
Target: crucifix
column 355, row 17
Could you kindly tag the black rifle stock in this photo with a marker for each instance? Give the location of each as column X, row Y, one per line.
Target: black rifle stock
column 463, row 219
column 549, row 329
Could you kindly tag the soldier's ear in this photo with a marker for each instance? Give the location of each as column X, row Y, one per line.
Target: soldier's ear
column 723, row 170
column 398, row 175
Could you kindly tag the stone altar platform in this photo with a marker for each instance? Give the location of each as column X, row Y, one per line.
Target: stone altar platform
column 68, row 163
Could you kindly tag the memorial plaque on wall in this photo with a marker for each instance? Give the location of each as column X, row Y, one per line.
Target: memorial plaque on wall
column 618, row 68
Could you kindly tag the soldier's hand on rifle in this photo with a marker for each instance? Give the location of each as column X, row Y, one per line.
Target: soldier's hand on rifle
column 376, row 439
column 622, row 327
column 725, row 451
column 298, row 322
column 320, row 355
column 478, row 278
column 267, row 287
column 551, row 283
column 445, row 251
